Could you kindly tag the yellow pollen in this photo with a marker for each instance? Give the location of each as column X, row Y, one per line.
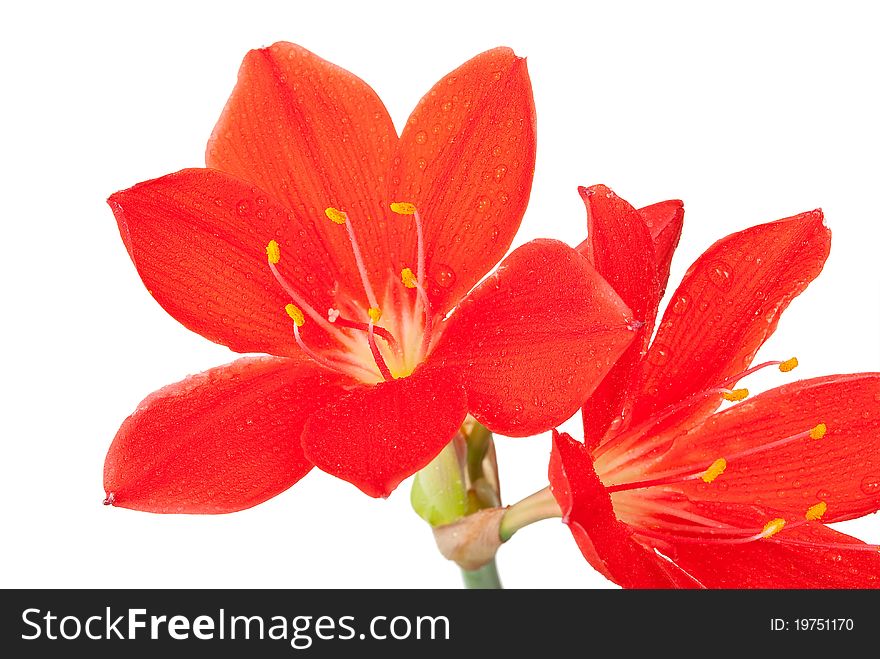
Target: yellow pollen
column 715, row 470
column 335, row 215
column 408, row 278
column 788, row 365
column 736, row 394
column 296, row 314
column 403, row 208
column 819, row 431
column 816, row 512
column 375, row 313
column 772, row 527
column 273, row 251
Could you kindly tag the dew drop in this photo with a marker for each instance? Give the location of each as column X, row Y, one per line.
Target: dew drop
column 447, row 106
column 658, row 355
column 870, row 485
column 681, row 304
column 719, row 274
column 243, row 207
column 496, row 150
column 421, row 137
column 444, row 276
column 483, row 205
column 500, row 172
column 422, row 163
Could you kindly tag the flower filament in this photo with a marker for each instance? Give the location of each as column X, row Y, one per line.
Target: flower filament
column 358, row 353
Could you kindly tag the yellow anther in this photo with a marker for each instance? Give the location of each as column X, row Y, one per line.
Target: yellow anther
column 736, row 394
column 403, row 208
column 375, row 313
column 818, row 432
column 772, row 527
column 335, row 215
column 816, row 512
column 788, row 365
column 273, row 251
column 408, row 278
column 296, row 314
column 715, row 470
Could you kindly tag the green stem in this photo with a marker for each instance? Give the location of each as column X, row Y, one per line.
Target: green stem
column 534, row 508
column 484, row 578
column 478, row 441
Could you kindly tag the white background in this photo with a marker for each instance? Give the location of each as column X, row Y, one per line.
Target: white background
column 748, row 114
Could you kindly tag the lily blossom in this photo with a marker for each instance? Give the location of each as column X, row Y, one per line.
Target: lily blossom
column 667, row 491
column 347, row 254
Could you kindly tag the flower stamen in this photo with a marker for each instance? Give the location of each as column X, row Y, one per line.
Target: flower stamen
column 712, row 471
column 299, row 320
column 340, row 217
column 814, row 513
column 273, row 253
column 335, row 317
column 406, row 208
column 377, row 355
column 625, row 440
column 406, row 276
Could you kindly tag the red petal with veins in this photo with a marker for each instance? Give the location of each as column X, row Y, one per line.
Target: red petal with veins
column 792, row 477
column 664, row 221
column 314, row 135
column 198, row 239
column 620, row 247
column 727, row 305
column 466, row 159
column 606, row 542
column 376, row 436
column 224, row 440
column 535, row 338
column 770, row 563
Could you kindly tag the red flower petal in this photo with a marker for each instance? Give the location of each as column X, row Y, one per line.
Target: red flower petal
column 535, row 339
column 727, row 305
column 797, row 475
column 664, row 221
column 606, row 542
column 620, row 247
column 466, row 160
column 314, row 135
column 770, row 564
column 224, row 440
column 198, row 239
column 376, row 436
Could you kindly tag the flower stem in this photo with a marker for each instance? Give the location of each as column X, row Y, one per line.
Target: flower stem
column 484, row 578
column 534, row 508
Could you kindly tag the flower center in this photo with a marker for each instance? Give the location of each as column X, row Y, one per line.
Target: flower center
column 406, row 334
column 660, row 514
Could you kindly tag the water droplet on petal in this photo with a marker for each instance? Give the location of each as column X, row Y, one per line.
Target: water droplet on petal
column 681, row 304
column 870, row 485
column 483, row 205
column 421, row 137
column 719, row 274
column 500, row 172
column 444, row 276
column 658, row 355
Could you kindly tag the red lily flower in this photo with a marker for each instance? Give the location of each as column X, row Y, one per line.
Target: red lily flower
column 287, row 245
column 667, row 492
